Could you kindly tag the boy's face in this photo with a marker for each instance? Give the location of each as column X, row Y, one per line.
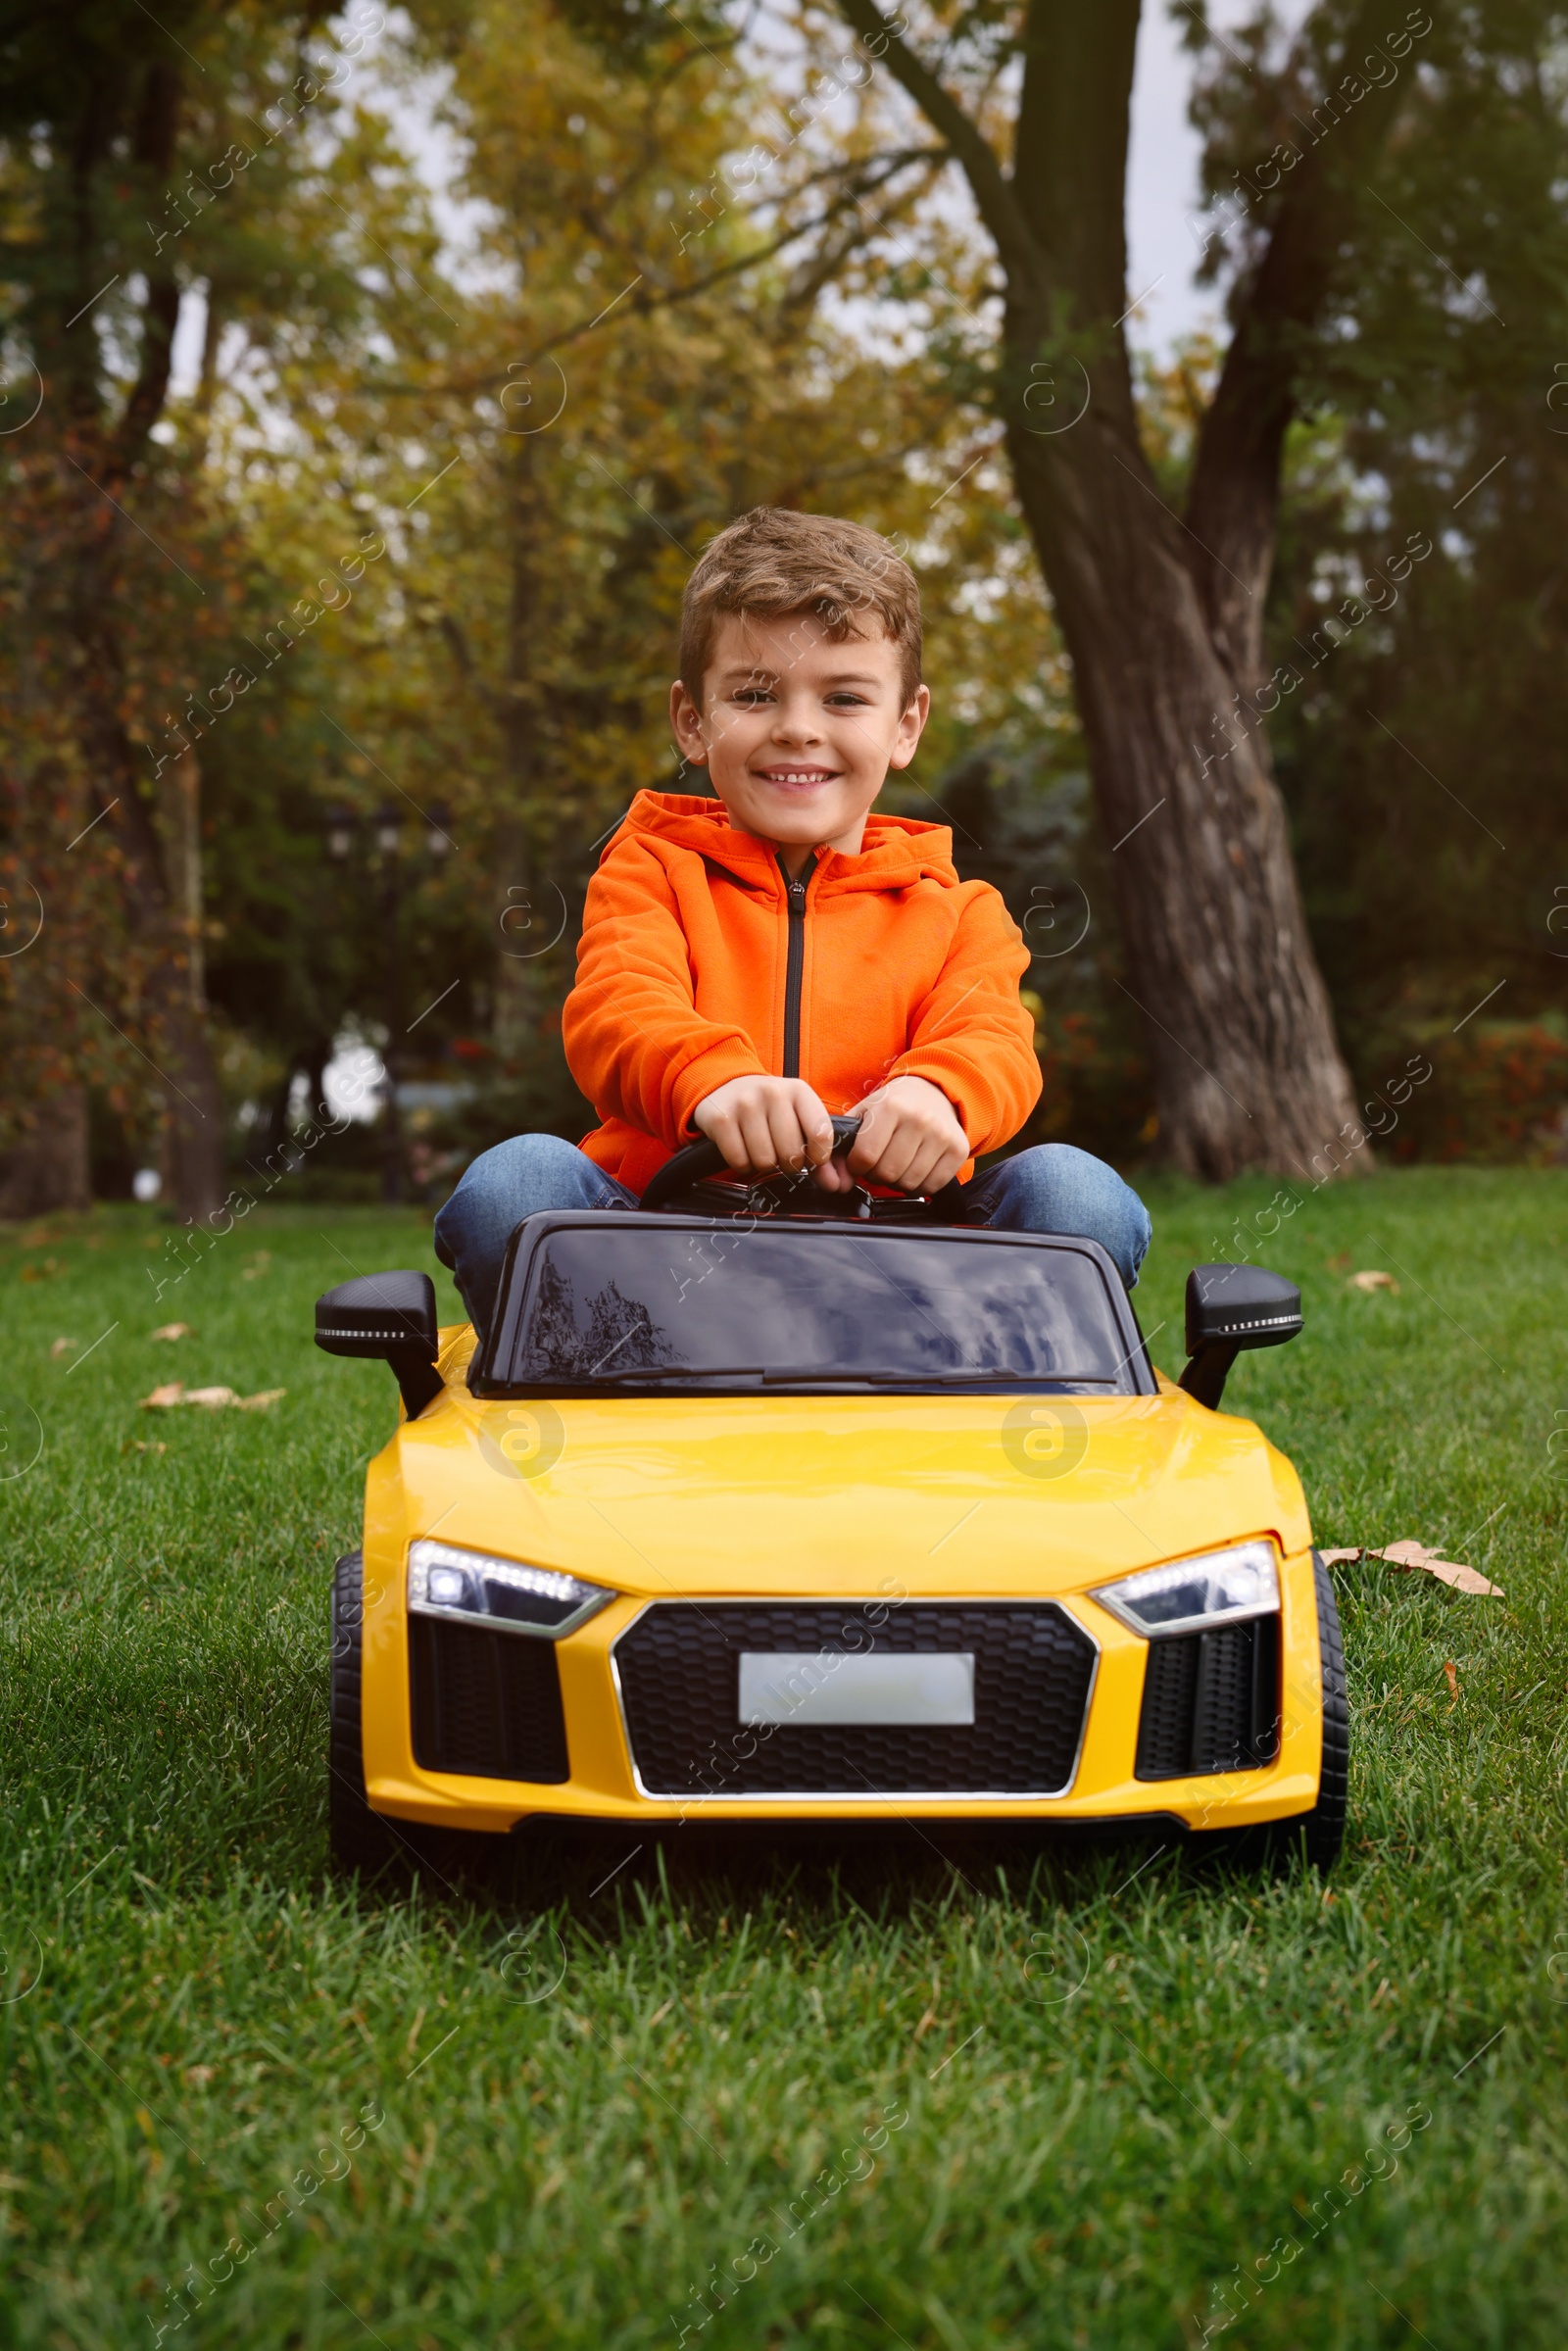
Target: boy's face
column 798, row 729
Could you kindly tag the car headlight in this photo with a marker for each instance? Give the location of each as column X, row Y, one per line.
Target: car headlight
column 1218, row 1587
column 502, row 1594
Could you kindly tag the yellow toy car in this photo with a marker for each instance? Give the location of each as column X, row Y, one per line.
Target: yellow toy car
column 747, row 1513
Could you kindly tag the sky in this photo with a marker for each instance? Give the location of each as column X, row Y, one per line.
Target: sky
column 1163, row 175
column 1163, row 188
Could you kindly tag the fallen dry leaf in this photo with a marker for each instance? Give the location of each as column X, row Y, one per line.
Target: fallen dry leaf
column 1415, row 1556
column 210, row 1399
column 1342, row 1263
column 1407, row 1553
column 139, row 1444
column 172, row 1330
column 1451, row 1672
column 1374, row 1278
column 63, row 1346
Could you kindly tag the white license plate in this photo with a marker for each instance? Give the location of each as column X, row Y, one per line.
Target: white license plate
column 813, row 1687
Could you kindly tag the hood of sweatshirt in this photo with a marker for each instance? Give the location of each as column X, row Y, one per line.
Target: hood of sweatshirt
column 897, row 852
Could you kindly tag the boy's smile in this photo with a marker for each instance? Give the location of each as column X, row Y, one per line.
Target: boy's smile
column 798, row 729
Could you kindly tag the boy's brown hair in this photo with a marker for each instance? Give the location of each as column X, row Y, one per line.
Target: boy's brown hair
column 775, row 561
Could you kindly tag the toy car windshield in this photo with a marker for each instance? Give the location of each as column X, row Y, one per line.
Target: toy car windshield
column 621, row 1304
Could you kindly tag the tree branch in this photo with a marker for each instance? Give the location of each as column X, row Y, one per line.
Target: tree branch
column 1234, row 501
column 464, row 387
column 993, row 192
column 816, row 269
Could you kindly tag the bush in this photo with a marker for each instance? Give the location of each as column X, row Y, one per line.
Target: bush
column 1498, row 1092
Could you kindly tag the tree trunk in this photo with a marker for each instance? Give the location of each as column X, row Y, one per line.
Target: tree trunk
column 1164, row 622
column 523, row 915
column 194, row 1109
column 192, row 1100
column 48, row 1168
column 153, row 817
column 169, row 1018
column 163, row 908
column 1246, row 1070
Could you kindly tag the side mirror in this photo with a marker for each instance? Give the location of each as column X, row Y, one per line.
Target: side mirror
column 390, row 1316
column 1230, row 1307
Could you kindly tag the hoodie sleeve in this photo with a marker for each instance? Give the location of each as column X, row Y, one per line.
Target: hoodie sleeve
column 635, row 1043
column 971, row 1035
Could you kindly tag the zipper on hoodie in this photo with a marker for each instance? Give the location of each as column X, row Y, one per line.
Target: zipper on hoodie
column 794, row 962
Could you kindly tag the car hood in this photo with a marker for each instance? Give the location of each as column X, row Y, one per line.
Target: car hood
column 834, row 1495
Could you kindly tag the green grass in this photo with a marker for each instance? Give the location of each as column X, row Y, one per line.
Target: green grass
column 1082, row 2103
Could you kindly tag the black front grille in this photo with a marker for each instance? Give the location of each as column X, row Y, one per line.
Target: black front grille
column 1210, row 1701
column 485, row 1702
column 679, row 1669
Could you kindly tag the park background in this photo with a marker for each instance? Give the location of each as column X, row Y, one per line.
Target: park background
column 368, row 380
column 371, row 380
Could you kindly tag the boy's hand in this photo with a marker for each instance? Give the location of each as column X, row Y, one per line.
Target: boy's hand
column 762, row 1125
column 909, row 1136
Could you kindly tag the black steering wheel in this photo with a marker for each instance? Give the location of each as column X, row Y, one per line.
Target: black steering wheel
column 704, row 1158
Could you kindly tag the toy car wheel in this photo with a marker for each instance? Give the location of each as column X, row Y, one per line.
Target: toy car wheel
column 359, row 1839
column 1319, row 1834
column 1322, row 1829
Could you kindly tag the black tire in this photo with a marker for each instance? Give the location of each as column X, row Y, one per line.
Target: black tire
column 359, row 1839
column 1319, row 1834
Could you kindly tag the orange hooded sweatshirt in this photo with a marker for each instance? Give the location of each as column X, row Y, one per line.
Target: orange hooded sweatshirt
column 699, row 963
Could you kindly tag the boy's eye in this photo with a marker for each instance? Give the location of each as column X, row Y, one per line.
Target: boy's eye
column 750, row 696
column 845, row 698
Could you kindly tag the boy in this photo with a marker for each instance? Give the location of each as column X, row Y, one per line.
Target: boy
column 753, row 962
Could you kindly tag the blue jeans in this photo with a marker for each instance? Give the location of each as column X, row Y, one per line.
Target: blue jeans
column 1052, row 1189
